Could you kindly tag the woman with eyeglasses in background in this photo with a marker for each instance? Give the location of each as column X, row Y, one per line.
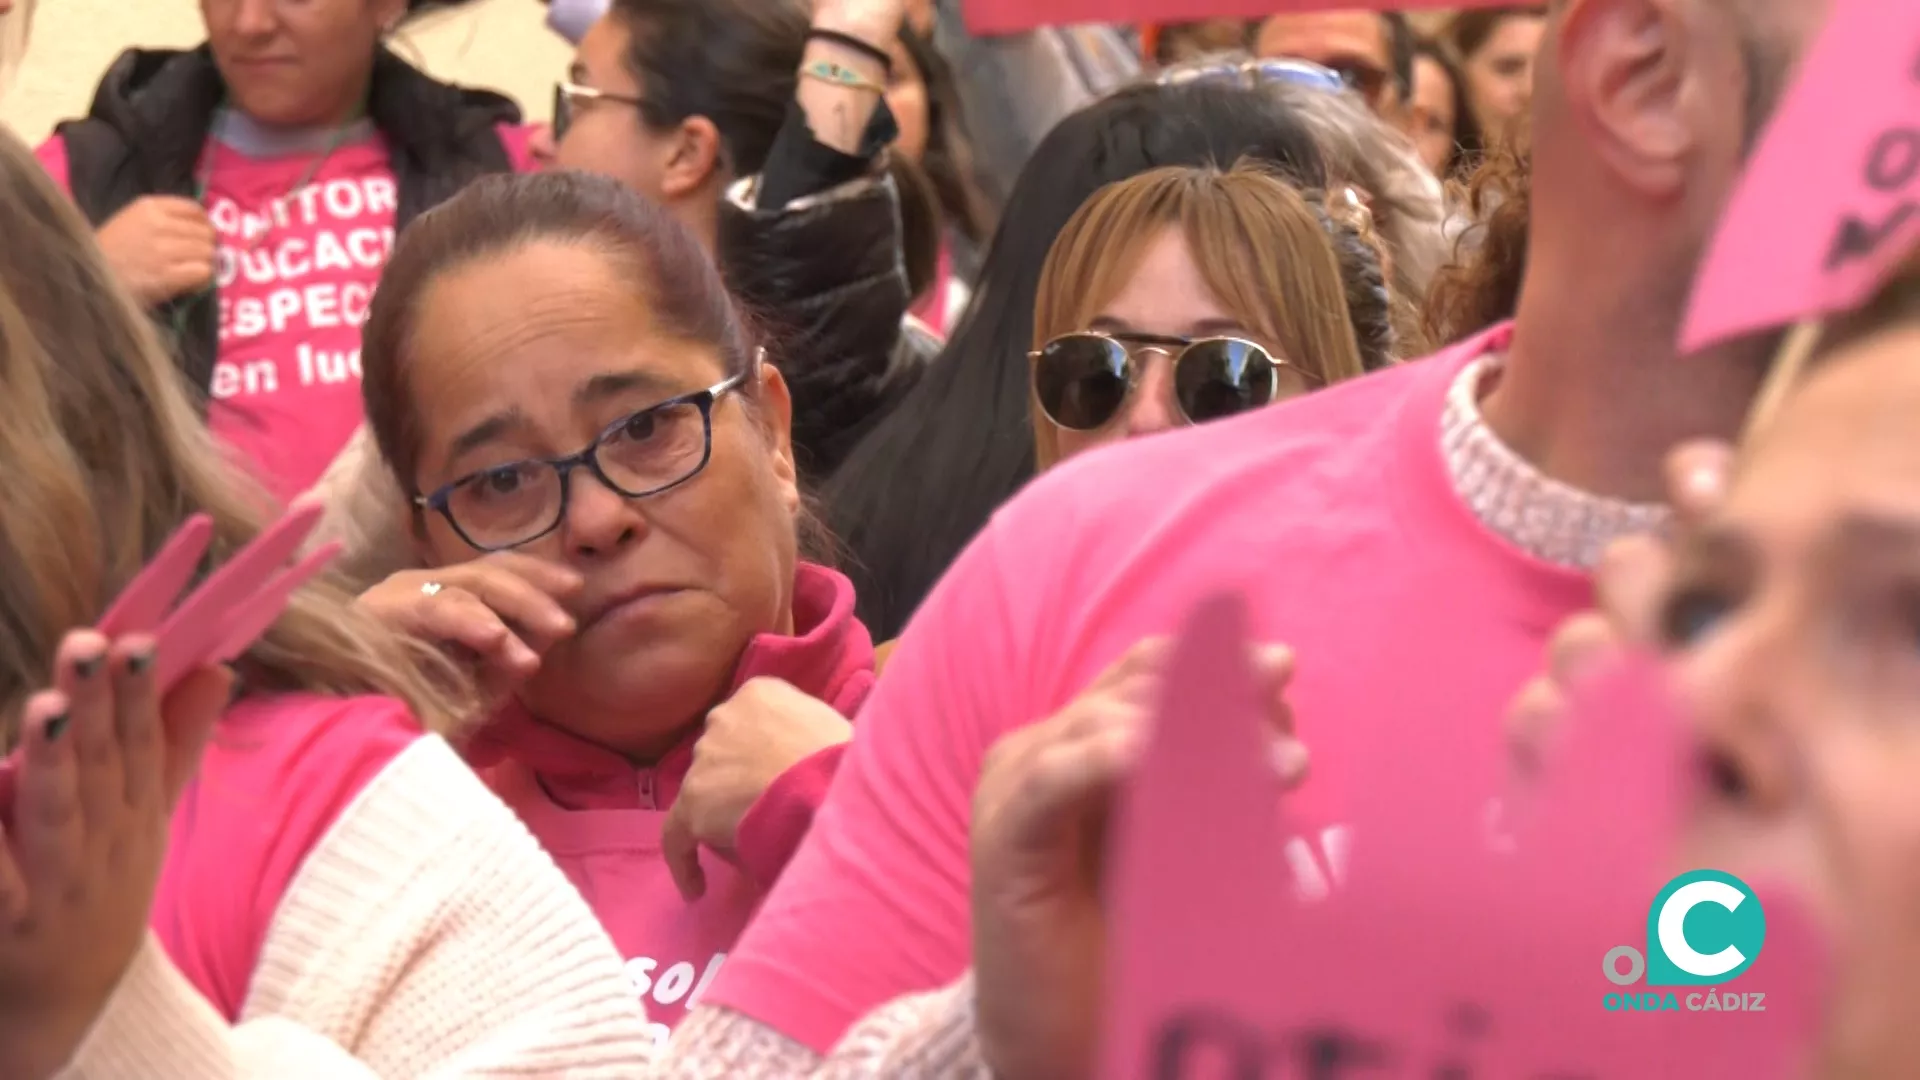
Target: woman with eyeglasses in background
column 760, row 124
column 248, row 192
column 1181, row 296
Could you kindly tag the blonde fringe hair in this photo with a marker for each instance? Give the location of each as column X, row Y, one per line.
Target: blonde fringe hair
column 1259, row 246
column 106, row 457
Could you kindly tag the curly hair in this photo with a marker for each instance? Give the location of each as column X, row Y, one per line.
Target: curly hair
column 1481, row 286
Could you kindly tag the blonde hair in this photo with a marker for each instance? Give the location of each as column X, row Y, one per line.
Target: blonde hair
column 1260, row 247
column 107, row 457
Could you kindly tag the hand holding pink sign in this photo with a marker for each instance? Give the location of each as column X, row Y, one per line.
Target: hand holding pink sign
column 1830, row 201
column 217, row 622
column 1440, row 957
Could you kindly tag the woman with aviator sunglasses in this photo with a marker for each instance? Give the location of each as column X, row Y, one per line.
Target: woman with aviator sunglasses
column 1181, row 296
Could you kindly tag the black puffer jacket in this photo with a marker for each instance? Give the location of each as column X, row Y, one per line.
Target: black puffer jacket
column 152, row 113
column 824, row 273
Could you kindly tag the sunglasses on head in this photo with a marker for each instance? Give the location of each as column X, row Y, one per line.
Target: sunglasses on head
column 1256, row 72
column 1083, row 380
column 1361, row 77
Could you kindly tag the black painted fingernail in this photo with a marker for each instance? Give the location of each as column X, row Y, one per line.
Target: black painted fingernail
column 88, row 666
column 138, row 663
column 57, row 726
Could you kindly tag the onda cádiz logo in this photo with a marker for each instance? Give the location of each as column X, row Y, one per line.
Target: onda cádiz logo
column 1705, row 929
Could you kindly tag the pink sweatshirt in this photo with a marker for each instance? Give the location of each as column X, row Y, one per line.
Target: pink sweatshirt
column 279, row 773
column 295, row 272
column 599, row 816
column 1334, row 514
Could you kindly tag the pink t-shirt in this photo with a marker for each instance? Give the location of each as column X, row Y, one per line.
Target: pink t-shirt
column 1333, row 514
column 600, row 816
column 280, row 771
column 296, row 270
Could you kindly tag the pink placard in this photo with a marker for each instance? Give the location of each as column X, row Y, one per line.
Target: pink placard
column 1013, row 16
column 1830, row 201
column 1444, row 955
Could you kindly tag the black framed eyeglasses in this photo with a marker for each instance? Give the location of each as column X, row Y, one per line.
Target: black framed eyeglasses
column 641, row 454
column 567, row 97
column 1083, row 380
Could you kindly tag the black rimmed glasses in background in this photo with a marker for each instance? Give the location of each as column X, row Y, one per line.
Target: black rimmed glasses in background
column 641, row 454
column 567, row 97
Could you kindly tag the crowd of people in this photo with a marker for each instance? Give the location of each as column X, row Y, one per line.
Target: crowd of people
column 764, row 493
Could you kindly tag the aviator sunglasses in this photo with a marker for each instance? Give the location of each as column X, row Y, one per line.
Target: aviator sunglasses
column 1083, row 380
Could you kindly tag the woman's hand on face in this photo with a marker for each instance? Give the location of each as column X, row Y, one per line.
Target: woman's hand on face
column 507, row 609
column 1039, row 844
column 160, row 247
column 764, row 729
column 103, row 760
column 1630, row 587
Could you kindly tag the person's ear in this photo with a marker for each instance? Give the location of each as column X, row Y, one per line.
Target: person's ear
column 1629, row 72
column 776, row 426
column 695, row 158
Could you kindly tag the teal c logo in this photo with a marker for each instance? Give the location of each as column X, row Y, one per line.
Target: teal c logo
column 1704, row 928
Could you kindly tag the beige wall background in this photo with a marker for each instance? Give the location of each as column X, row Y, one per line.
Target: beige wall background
column 503, row 45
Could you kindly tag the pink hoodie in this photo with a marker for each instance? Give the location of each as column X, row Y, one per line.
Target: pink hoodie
column 599, row 815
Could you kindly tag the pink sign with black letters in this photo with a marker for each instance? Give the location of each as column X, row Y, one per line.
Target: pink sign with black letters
column 1443, row 955
column 1830, row 201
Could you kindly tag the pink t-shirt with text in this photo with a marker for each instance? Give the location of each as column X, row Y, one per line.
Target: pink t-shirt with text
column 1336, row 518
column 296, row 268
column 280, row 771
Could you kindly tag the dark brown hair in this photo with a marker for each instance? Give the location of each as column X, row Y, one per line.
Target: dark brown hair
column 948, row 160
column 498, row 214
column 734, row 62
column 1468, row 141
column 1470, row 30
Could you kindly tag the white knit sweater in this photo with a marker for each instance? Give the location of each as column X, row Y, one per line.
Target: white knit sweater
column 428, row 935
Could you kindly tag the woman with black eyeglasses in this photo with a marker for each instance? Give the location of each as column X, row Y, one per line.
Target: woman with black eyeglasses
column 761, row 125
column 597, row 463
